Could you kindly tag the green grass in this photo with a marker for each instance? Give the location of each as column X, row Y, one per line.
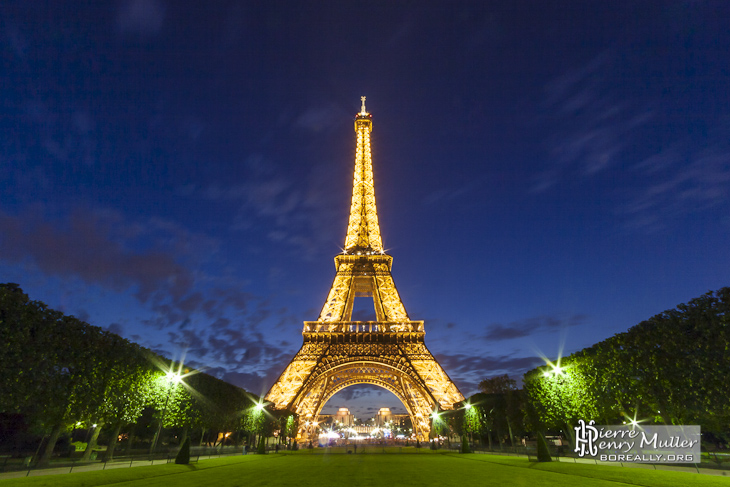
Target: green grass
column 319, row 470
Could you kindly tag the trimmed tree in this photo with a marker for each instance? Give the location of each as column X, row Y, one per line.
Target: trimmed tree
column 183, row 456
column 465, row 448
column 543, row 452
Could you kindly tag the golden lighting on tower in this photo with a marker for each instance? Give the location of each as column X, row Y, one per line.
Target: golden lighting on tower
column 389, row 352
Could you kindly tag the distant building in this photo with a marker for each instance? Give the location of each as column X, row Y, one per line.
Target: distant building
column 384, row 416
column 402, row 421
column 383, row 420
column 344, row 417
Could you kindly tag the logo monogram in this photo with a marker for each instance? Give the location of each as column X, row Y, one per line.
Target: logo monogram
column 585, row 438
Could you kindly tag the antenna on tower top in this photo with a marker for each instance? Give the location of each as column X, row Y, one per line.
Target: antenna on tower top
column 362, row 109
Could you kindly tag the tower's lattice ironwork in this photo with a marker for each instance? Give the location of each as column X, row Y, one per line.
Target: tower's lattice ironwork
column 389, row 352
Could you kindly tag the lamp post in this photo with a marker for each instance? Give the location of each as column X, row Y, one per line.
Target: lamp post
column 259, row 421
column 172, row 378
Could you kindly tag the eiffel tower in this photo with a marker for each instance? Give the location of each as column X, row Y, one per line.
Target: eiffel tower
column 389, row 352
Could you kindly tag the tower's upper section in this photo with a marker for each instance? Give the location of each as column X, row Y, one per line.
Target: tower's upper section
column 363, row 231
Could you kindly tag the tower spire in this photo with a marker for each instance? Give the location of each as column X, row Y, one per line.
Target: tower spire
column 363, row 231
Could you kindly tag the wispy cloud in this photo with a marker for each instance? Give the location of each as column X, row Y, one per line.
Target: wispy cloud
column 297, row 213
column 592, row 129
column 446, row 195
column 140, row 18
column 82, row 245
column 467, row 370
column 321, row 117
column 15, row 37
column 681, row 182
column 589, row 127
column 158, row 262
column 527, row 327
column 68, row 133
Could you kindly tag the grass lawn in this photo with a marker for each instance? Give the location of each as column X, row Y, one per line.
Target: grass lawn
column 342, row 470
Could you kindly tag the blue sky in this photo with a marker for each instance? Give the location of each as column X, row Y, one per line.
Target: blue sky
column 547, row 175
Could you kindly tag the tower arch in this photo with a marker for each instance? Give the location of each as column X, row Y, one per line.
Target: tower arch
column 416, row 399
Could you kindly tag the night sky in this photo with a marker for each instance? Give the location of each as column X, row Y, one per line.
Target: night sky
column 547, row 174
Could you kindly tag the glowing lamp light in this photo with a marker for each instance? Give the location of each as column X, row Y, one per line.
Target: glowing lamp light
column 173, row 377
column 260, row 406
column 634, row 422
column 555, row 369
column 467, row 406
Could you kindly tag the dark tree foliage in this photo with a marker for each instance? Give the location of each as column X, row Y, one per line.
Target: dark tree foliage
column 503, row 402
column 671, row 369
column 58, row 371
column 500, row 384
column 497, row 414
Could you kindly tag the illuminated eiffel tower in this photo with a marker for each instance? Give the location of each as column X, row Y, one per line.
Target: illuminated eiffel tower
column 389, row 352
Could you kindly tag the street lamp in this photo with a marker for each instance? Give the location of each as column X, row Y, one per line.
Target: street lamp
column 555, row 369
column 172, row 379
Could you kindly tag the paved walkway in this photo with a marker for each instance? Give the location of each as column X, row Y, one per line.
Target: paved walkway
column 96, row 466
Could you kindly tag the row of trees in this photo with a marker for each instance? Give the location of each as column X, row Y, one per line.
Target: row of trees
column 496, row 414
column 670, row 369
column 59, row 372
